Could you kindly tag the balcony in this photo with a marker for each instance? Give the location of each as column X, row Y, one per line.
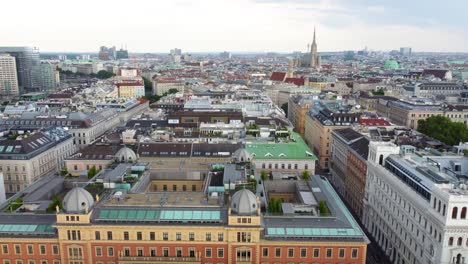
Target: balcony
column 131, row 260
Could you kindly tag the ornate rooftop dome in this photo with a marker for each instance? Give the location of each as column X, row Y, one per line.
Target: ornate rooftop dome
column 125, row 154
column 241, row 155
column 244, row 202
column 78, row 200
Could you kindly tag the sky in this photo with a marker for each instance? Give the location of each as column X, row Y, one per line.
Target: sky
column 235, row 25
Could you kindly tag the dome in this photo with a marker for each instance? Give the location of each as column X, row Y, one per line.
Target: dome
column 77, row 200
column 241, row 155
column 391, row 65
column 125, row 154
column 244, row 202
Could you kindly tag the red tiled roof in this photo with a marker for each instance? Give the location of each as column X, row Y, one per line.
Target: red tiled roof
column 296, row 81
column 435, row 72
column 278, row 76
column 374, row 122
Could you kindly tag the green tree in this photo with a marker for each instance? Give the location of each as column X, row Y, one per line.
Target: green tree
column 64, row 171
column 378, row 92
column 323, row 208
column 263, row 175
column 305, row 175
column 443, row 129
column 92, row 172
column 148, row 85
column 103, row 74
column 55, row 201
column 285, row 108
column 172, row 91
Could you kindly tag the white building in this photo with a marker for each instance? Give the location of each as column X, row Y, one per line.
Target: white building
column 8, row 76
column 415, row 204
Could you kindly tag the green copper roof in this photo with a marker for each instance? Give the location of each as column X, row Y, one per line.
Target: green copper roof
column 296, row 149
column 391, row 65
column 14, row 228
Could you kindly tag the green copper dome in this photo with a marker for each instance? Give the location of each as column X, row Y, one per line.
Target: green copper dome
column 391, row 65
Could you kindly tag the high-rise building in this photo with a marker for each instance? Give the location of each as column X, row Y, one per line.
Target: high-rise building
column 122, row 54
column 176, row 51
column 48, row 76
column 8, row 76
column 27, row 67
column 406, row 51
column 225, row 55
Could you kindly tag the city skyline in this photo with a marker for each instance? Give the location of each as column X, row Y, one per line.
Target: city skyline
column 240, row 26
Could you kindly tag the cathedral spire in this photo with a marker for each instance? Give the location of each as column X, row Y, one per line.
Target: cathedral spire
column 314, row 36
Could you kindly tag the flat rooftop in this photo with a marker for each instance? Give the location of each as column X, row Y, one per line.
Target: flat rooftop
column 163, row 199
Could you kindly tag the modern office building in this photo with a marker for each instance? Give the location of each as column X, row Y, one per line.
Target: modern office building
column 48, row 77
column 415, row 204
column 27, row 67
column 8, row 77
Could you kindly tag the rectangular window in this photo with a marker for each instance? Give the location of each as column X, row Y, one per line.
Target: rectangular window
column 178, row 252
column 165, row 252
column 127, row 252
column 220, row 236
column 98, row 251
column 152, row 236
column 328, row 253
column 140, row 252
column 265, row 252
column 55, row 249
column 30, row 250
column 220, row 253
column 5, row 249
column 208, row 252
column 354, row 253
column 97, row 234
column 17, row 249
column 191, row 236
column 110, row 251
column 191, row 252
column 277, row 252
column 165, row 236
column 109, row 235
column 341, row 253
column 290, row 252
column 316, row 252
column 126, row 236
column 152, row 252
column 139, row 236
column 208, row 236
column 178, row 236
column 303, row 252
column 42, row 249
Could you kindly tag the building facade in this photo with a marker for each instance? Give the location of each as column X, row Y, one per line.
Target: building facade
column 8, row 77
column 27, row 67
column 415, row 206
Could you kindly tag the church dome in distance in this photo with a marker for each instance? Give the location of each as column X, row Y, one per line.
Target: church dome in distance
column 244, row 202
column 77, row 200
column 241, row 155
column 391, row 65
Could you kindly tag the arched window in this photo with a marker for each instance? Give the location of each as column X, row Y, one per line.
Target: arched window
column 381, row 159
column 463, row 213
column 454, row 212
column 459, row 241
column 450, row 243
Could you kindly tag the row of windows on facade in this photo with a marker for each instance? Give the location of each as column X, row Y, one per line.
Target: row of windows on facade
column 174, row 188
column 29, row 249
column 31, row 261
column 283, row 166
column 8, row 168
column 76, row 235
column 243, row 254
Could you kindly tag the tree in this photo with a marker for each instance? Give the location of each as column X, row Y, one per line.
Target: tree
column 263, row 175
column 64, row 171
column 285, row 108
column 103, row 74
column 443, row 129
column 55, row 201
column 148, row 85
column 323, row 208
column 380, row 91
column 92, row 172
column 172, row 91
column 305, row 175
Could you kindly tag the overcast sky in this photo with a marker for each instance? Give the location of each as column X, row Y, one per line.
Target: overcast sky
column 235, row 25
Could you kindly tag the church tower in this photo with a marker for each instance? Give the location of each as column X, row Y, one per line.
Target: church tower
column 314, row 58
